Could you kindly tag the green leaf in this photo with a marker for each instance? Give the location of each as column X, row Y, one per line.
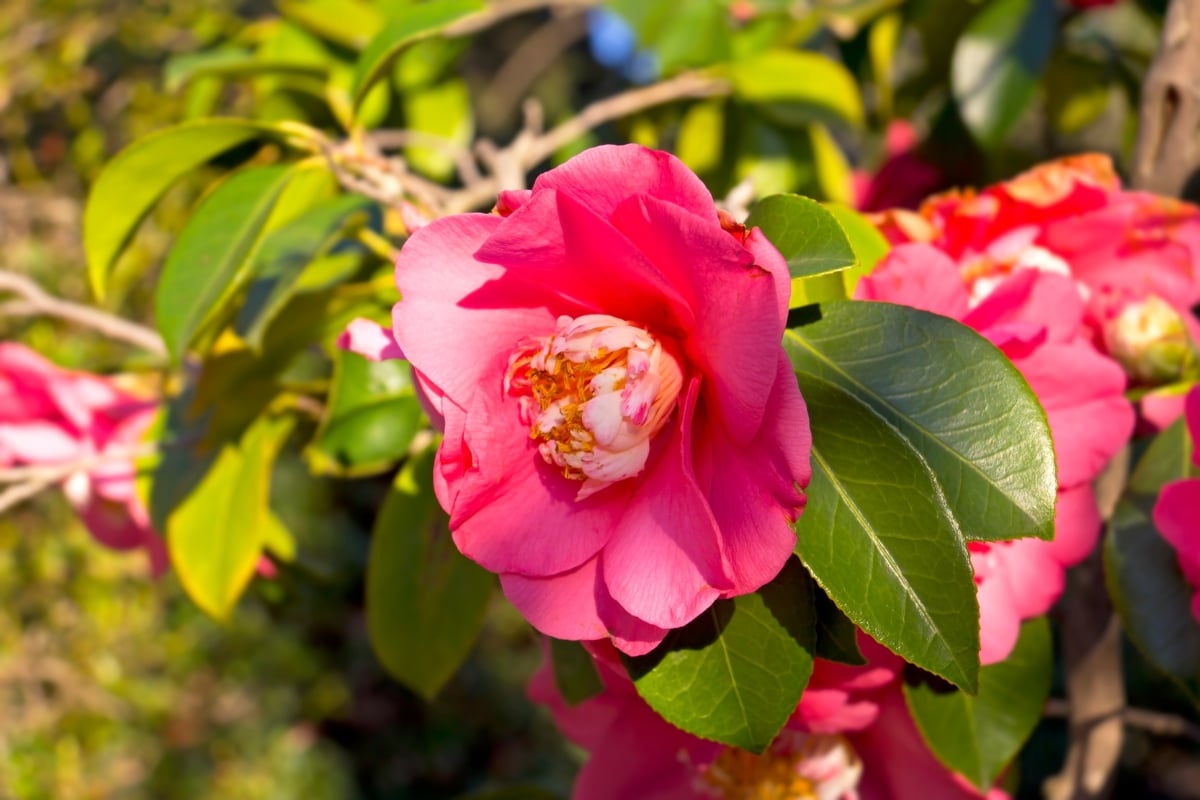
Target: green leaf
column 138, row 176
column 833, row 170
column 347, row 22
column 1145, row 581
column 290, row 257
column 837, row 637
column 411, row 25
column 879, row 539
column 978, row 736
column 442, row 111
column 805, row 233
column 998, row 64
column 735, row 674
column 574, row 671
column 701, row 140
column 957, row 401
column 372, row 418
column 230, row 63
column 425, row 600
column 211, row 256
column 215, row 536
column 797, row 87
column 869, row 245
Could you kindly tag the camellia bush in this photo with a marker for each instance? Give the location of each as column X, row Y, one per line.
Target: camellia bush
column 818, row 476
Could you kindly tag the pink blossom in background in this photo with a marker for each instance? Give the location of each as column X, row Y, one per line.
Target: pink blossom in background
column 1035, row 318
column 1134, row 257
column 51, row 416
column 624, row 440
column 903, row 180
column 1177, row 513
column 851, row 738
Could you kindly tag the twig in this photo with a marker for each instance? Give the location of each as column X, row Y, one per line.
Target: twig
column 536, row 54
column 35, row 301
column 29, row 480
column 1158, row 723
column 392, row 139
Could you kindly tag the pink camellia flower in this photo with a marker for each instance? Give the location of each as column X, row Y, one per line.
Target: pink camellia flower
column 1134, row 258
column 1177, row 512
column 624, row 441
column 50, row 416
column 1035, row 317
column 851, row 738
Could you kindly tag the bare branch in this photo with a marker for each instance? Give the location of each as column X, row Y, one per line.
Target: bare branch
column 1166, row 155
column 35, row 301
column 536, row 54
column 29, row 480
column 1158, row 723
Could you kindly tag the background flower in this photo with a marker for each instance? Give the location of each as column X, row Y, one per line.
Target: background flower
column 1177, row 512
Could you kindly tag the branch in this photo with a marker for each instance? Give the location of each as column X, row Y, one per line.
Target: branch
column 36, row 302
column 1166, row 156
column 503, row 9
column 29, row 480
column 1158, row 723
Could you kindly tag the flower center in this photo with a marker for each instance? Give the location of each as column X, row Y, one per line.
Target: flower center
column 798, row 766
column 594, row 393
column 1015, row 251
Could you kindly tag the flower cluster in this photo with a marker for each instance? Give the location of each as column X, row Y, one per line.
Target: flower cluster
column 625, row 441
column 53, row 417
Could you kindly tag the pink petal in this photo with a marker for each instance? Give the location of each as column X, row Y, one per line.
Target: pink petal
column 1039, row 299
column 663, row 563
column 515, row 513
column 1082, row 392
column 459, row 318
column 733, row 339
column 755, row 490
column 556, row 241
column 999, row 621
column 38, row 442
column 602, row 177
column 1191, row 408
column 562, row 606
column 1076, row 525
column 630, row 635
column 1177, row 517
column 919, row 276
column 370, row 340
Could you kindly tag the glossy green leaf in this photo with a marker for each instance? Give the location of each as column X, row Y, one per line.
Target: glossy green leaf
column 443, row 111
column 293, row 252
column 230, row 63
column 735, row 673
column 998, row 64
column 575, row 672
column 797, row 87
column 372, row 418
column 425, row 600
column 412, row 24
column 880, row 540
column 954, row 397
column 805, row 233
column 211, row 257
column 139, row 175
column 869, row 245
column 216, row 534
column 978, row 736
column 1145, row 581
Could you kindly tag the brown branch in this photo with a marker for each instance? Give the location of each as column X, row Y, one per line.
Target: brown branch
column 35, row 301
column 1157, row 723
column 1166, row 155
column 536, row 54
column 30, row 480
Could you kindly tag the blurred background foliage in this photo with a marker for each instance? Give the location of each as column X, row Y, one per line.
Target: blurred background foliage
column 113, row 685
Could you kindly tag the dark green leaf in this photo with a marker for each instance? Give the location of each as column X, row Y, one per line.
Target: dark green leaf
column 425, row 600
column 837, row 637
column 211, row 256
column 139, row 175
column 574, row 671
column 879, row 539
column 869, row 245
column 411, row 25
column 1144, row 578
column 735, row 673
column 292, row 253
column 372, row 418
column 216, row 534
column 978, row 736
column 998, row 64
column 957, row 401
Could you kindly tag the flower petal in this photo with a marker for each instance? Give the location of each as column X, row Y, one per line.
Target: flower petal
column 562, row 606
column 370, row 340
column 919, row 276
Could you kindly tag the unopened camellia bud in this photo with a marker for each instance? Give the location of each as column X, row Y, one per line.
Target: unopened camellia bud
column 1150, row 341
